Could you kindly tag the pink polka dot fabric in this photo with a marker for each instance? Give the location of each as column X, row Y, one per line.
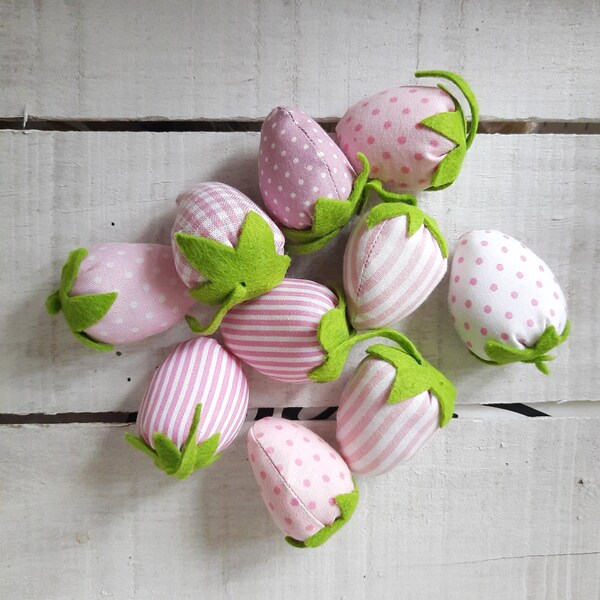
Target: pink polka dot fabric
column 298, row 164
column 151, row 297
column 215, row 211
column 387, row 129
column 299, row 476
column 501, row 290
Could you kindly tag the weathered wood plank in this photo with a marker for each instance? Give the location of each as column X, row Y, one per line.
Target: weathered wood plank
column 506, row 509
column 186, row 59
column 63, row 190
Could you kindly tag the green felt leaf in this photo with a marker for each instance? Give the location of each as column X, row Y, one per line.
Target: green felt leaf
column 86, row 340
column 81, row 312
column 451, row 125
column 140, row 444
column 447, row 171
column 329, row 216
column 347, row 504
column 53, row 304
column 168, row 454
column 376, row 185
column 206, row 452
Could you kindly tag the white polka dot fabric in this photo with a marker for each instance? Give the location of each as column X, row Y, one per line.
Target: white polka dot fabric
column 501, row 290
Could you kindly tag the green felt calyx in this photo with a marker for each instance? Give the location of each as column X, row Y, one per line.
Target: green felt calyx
column 170, row 459
column 453, row 126
column 403, row 205
column 81, row 312
column 233, row 275
column 329, row 217
column 503, row 354
column 347, row 504
column 414, row 375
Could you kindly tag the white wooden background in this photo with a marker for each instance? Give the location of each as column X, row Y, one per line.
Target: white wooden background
column 493, row 508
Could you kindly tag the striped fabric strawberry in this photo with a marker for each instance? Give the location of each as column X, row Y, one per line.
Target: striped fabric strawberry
column 391, row 406
column 306, row 181
column 415, row 138
column 226, row 249
column 193, row 407
column 394, row 259
column 506, row 304
column 119, row 293
column 304, row 482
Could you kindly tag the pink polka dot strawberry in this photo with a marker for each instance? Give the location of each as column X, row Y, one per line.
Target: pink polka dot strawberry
column 394, row 259
column 306, row 181
column 391, row 406
column 193, row 408
column 297, row 332
column 304, row 482
column 506, row 304
column 415, row 138
column 226, row 249
column 119, row 293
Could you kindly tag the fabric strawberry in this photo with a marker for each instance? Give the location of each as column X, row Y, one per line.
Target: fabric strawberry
column 391, row 406
column 297, row 332
column 304, row 482
column 415, row 138
column 307, row 184
column 226, row 249
column 193, row 407
column 394, row 259
column 119, row 293
column 506, row 304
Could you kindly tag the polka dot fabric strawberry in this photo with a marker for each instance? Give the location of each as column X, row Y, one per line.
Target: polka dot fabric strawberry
column 193, row 407
column 306, row 181
column 119, row 293
column 304, row 482
column 505, row 302
column 415, row 138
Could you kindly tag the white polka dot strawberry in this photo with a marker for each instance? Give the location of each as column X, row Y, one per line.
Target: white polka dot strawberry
column 391, row 406
column 226, row 249
column 506, row 304
column 306, row 181
column 297, row 332
column 394, row 259
column 415, row 138
column 304, row 482
column 119, row 293
column 193, row 407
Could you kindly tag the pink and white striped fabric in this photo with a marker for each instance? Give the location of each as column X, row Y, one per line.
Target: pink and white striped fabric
column 375, row 436
column 388, row 275
column 199, row 371
column 215, row 211
column 276, row 333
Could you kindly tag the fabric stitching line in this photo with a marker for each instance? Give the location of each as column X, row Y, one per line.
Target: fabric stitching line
column 366, row 261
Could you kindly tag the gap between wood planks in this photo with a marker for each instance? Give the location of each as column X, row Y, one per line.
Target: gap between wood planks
column 505, row 127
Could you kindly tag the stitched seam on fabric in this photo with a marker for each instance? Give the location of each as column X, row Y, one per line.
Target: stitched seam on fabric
column 283, row 479
column 367, row 258
column 315, row 148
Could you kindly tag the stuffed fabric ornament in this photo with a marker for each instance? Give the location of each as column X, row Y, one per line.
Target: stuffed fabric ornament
column 391, row 406
column 306, row 181
column 119, row 293
column 226, row 249
column 297, row 332
column 304, row 482
column 394, row 259
column 506, row 304
column 415, row 138
column 193, row 408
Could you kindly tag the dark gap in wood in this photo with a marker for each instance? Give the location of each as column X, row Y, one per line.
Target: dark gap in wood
column 70, row 417
column 191, row 125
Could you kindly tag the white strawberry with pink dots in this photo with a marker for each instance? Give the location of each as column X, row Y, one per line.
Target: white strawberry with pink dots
column 304, row 482
column 505, row 302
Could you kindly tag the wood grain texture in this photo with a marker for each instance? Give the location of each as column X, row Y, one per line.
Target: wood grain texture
column 75, row 59
column 506, row 509
column 63, row 190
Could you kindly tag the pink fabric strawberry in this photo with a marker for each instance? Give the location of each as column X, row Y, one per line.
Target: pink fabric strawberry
column 226, row 249
column 306, row 181
column 394, row 259
column 415, row 138
column 193, row 407
column 391, row 406
column 119, row 293
column 304, row 482
column 506, row 304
